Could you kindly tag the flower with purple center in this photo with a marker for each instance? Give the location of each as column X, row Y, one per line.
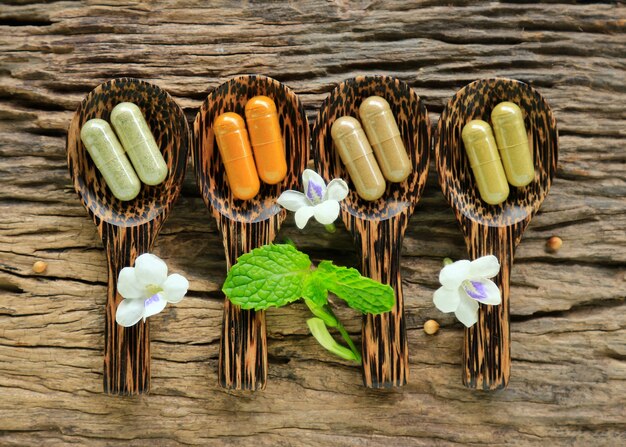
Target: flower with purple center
column 146, row 289
column 318, row 200
column 464, row 285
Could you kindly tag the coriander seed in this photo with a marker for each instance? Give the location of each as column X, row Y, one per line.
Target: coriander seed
column 431, row 327
column 40, row 266
column 554, row 244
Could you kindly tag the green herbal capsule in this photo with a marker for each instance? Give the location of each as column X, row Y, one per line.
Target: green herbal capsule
column 108, row 155
column 384, row 136
column 512, row 140
column 485, row 163
column 356, row 154
column 137, row 139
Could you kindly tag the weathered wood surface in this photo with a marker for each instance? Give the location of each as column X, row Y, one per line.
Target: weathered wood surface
column 568, row 309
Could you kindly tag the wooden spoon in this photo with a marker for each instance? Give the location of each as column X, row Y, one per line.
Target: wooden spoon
column 378, row 227
column 491, row 229
column 128, row 229
column 248, row 224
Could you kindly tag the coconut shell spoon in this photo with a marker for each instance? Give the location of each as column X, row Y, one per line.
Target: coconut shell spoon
column 246, row 224
column 128, row 228
column 490, row 229
column 378, row 226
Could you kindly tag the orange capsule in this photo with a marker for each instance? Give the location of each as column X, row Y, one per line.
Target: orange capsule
column 266, row 139
column 234, row 146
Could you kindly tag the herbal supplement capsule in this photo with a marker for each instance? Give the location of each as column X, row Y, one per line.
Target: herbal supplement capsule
column 266, row 139
column 483, row 156
column 138, row 141
column 384, row 136
column 356, row 154
column 108, row 155
column 232, row 141
column 512, row 140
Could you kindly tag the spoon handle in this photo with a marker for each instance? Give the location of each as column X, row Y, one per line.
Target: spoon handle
column 487, row 349
column 126, row 350
column 384, row 342
column 243, row 346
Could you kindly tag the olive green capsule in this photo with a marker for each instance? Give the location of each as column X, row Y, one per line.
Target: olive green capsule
column 384, row 136
column 139, row 143
column 512, row 140
column 482, row 152
column 108, row 156
column 356, row 154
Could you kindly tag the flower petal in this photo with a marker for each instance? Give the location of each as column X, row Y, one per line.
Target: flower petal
column 337, row 190
column 490, row 294
column 446, row 300
column 174, row 288
column 467, row 312
column 150, row 270
column 153, row 305
column 127, row 284
column 293, row 200
column 129, row 312
column 484, row 267
column 474, row 289
column 326, row 212
column 452, row 275
column 303, row 215
column 314, row 186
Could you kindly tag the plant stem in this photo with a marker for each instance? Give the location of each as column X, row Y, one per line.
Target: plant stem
column 348, row 340
column 330, row 228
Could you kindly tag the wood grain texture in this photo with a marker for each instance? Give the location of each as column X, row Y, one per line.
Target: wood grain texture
column 246, row 224
column 493, row 229
column 128, row 228
column 568, row 353
column 378, row 226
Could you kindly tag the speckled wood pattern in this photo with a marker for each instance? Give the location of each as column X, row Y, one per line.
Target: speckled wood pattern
column 490, row 229
column 247, row 224
column 129, row 228
column 378, row 226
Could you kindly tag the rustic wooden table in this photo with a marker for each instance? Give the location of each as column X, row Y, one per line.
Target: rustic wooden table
column 568, row 328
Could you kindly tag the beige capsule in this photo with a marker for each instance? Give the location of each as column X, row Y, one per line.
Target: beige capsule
column 108, row 155
column 512, row 141
column 384, row 136
column 482, row 152
column 138, row 141
column 357, row 155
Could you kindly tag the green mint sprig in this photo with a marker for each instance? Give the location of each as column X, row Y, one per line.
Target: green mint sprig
column 278, row 274
column 272, row 275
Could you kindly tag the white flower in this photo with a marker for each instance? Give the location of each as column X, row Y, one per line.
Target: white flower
column 464, row 284
column 147, row 289
column 318, row 200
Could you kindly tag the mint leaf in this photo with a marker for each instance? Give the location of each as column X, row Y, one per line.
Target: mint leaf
column 324, row 313
column 316, row 298
column 314, row 290
column 323, row 337
column 361, row 293
column 271, row 275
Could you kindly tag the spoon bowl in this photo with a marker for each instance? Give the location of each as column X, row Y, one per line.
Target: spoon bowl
column 246, row 224
column 128, row 228
column 378, row 226
column 493, row 229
